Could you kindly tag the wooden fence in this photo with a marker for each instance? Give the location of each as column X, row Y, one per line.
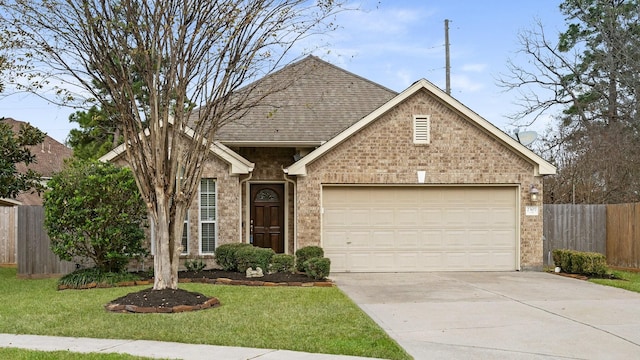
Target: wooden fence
column 576, row 227
column 8, row 236
column 612, row 230
column 623, row 235
column 35, row 258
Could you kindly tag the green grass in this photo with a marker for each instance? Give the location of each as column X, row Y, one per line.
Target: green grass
column 21, row 354
column 318, row 320
column 625, row 280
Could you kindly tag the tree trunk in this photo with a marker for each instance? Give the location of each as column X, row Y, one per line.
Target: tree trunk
column 166, row 255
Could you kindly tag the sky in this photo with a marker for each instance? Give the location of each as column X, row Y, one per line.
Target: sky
column 395, row 43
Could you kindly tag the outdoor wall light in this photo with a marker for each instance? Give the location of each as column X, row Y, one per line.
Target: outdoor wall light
column 534, row 192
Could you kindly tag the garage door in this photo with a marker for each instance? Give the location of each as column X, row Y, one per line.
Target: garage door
column 402, row 229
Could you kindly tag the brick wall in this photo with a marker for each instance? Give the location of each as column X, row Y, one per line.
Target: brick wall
column 384, row 153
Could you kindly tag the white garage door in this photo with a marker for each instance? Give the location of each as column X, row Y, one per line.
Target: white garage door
column 402, row 229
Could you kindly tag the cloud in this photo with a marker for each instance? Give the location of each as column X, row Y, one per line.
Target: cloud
column 462, row 83
column 474, row 67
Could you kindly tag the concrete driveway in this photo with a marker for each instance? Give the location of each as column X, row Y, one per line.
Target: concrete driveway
column 499, row 315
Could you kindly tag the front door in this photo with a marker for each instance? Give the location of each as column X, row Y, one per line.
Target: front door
column 267, row 216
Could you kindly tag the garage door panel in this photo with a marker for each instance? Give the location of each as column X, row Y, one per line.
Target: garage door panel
column 408, row 217
column 455, row 217
column 432, row 239
column 455, row 238
column 420, row 228
column 381, row 217
column 407, row 239
column 431, row 217
column 358, row 217
column 383, row 239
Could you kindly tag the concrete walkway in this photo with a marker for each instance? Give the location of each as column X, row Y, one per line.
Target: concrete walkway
column 157, row 349
column 489, row 315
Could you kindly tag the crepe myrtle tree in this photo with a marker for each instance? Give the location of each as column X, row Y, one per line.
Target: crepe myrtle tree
column 202, row 50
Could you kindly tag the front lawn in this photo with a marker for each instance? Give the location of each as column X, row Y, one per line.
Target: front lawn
column 623, row 279
column 21, row 354
column 318, row 320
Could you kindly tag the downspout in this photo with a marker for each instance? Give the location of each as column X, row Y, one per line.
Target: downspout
column 242, row 182
column 295, row 210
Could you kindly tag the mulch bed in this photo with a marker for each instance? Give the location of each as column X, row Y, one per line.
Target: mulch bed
column 173, row 301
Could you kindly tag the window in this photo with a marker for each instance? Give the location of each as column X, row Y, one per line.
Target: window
column 421, row 129
column 185, row 236
column 207, row 216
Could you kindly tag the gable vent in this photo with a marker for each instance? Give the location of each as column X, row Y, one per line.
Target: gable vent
column 421, row 129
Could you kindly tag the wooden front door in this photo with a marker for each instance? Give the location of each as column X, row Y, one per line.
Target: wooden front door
column 267, row 216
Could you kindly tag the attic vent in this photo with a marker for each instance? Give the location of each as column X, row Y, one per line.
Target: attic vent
column 421, row 129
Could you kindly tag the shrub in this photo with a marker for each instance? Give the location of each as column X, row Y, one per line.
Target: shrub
column 317, row 267
column 577, row 262
column 306, row 253
column 225, row 255
column 195, row 265
column 282, row 263
column 253, row 257
column 83, row 277
column 94, row 210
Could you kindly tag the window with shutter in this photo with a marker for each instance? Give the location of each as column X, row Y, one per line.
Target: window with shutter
column 207, row 216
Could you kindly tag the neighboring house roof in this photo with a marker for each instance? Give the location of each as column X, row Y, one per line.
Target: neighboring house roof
column 318, row 101
column 50, row 156
column 542, row 167
column 9, row 202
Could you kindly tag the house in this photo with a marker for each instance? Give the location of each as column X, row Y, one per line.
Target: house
column 50, row 156
column 383, row 181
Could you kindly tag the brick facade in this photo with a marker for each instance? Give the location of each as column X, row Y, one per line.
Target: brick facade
column 384, row 153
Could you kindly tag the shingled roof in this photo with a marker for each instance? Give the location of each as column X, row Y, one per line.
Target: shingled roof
column 321, row 101
column 50, row 156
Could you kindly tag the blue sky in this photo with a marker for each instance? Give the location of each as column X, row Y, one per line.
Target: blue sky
column 395, row 43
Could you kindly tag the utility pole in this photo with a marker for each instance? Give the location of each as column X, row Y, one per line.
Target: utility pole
column 447, row 65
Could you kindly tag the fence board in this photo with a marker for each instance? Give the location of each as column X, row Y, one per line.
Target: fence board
column 35, row 258
column 576, row 227
column 623, row 235
column 8, row 235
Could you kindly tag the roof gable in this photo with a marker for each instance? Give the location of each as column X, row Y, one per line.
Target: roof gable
column 237, row 164
column 319, row 101
column 542, row 167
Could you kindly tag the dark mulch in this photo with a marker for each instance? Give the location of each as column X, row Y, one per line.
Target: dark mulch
column 169, row 298
column 162, row 298
column 216, row 274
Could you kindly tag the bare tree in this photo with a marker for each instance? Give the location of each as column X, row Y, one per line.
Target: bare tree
column 203, row 50
column 588, row 77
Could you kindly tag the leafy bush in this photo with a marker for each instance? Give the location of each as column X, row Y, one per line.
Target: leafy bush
column 94, row 211
column 195, row 265
column 226, row 255
column 306, row 253
column 577, row 262
column 253, row 257
column 317, row 268
column 282, row 263
column 83, row 277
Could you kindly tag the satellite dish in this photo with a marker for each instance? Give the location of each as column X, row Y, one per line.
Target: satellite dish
column 526, row 137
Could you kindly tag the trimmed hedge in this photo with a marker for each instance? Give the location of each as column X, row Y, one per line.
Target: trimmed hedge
column 306, row 253
column 283, row 263
column 226, row 255
column 253, row 257
column 578, row 262
column 318, row 267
